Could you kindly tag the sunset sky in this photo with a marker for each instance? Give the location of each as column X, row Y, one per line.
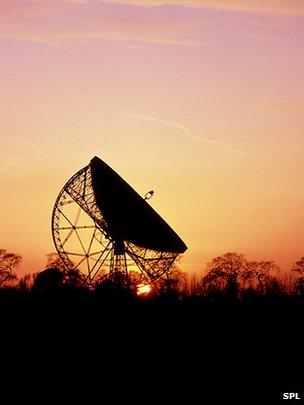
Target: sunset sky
column 201, row 101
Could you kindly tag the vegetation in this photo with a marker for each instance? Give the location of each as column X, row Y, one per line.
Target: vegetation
column 230, row 276
column 196, row 339
column 9, row 263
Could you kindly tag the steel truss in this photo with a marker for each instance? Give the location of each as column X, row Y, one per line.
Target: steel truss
column 82, row 240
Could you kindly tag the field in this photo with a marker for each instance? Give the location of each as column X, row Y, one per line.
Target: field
column 80, row 347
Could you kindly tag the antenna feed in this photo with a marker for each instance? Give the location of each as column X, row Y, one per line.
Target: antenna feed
column 148, row 195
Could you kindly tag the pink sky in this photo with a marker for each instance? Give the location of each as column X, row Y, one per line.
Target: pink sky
column 201, row 101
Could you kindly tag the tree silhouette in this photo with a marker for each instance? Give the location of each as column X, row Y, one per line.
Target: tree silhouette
column 298, row 268
column 26, row 282
column 53, row 260
column 261, row 275
column 232, row 273
column 71, row 277
column 225, row 274
column 172, row 283
column 9, row 263
column 49, row 280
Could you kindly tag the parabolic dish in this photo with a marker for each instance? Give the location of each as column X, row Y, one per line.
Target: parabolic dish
column 102, row 227
column 128, row 216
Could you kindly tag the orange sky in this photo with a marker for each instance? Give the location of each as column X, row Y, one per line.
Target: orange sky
column 201, row 101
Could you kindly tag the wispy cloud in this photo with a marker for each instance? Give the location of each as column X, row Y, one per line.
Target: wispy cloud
column 124, row 37
column 182, row 128
column 63, row 23
column 185, row 131
column 13, row 149
column 11, row 163
column 66, row 40
column 257, row 6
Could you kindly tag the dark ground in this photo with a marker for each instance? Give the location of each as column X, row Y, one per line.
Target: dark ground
column 81, row 349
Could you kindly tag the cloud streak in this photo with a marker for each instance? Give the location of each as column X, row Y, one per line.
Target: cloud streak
column 184, row 130
column 65, row 40
column 257, row 6
column 123, row 37
column 4, row 168
column 63, row 23
column 15, row 148
column 11, row 163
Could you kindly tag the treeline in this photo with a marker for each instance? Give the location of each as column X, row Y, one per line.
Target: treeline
column 64, row 342
column 233, row 275
column 230, row 276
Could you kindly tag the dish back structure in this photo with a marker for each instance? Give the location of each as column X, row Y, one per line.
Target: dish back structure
column 104, row 228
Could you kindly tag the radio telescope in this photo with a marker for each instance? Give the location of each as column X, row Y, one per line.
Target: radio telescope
column 102, row 227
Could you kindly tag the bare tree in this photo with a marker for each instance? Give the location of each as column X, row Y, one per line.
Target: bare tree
column 298, row 268
column 225, row 274
column 26, row 282
column 261, row 275
column 232, row 273
column 172, row 282
column 53, row 260
column 193, row 286
column 9, row 263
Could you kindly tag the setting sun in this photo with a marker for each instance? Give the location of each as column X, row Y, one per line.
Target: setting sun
column 143, row 289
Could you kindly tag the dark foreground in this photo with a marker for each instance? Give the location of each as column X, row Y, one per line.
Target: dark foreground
column 83, row 349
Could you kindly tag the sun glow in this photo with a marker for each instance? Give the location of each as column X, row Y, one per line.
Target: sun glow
column 143, row 289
